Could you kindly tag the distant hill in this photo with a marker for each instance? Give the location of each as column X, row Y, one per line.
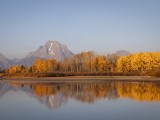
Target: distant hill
column 5, row 62
column 122, row 53
column 52, row 49
column 27, row 61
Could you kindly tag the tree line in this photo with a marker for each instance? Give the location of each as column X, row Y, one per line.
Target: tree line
column 82, row 62
column 141, row 62
column 91, row 62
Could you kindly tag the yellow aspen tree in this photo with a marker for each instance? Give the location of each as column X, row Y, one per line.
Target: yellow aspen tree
column 148, row 61
column 50, row 65
column 102, row 63
column 95, row 64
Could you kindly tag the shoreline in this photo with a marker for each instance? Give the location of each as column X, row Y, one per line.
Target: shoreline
column 83, row 79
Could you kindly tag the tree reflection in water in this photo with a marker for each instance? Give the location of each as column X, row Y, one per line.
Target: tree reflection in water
column 54, row 95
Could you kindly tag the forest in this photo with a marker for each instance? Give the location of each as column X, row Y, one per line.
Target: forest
column 146, row 63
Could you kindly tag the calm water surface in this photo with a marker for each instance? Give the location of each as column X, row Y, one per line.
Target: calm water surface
column 79, row 101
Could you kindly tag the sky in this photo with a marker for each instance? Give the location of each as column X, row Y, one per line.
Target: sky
column 103, row 26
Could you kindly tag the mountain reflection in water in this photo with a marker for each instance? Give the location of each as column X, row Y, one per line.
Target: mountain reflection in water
column 54, row 95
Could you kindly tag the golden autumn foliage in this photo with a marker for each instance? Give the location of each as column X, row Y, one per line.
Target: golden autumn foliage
column 87, row 62
column 99, row 63
column 148, row 61
column 17, row 69
column 41, row 65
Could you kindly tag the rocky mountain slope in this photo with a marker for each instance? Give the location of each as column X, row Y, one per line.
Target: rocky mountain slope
column 4, row 62
column 51, row 50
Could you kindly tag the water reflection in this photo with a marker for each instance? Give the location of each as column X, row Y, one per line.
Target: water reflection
column 57, row 94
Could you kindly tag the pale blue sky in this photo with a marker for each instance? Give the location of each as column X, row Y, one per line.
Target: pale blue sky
column 99, row 25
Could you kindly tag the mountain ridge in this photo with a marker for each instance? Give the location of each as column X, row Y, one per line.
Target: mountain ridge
column 5, row 62
column 51, row 50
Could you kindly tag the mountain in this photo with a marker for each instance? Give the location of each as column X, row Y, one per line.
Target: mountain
column 122, row 53
column 52, row 49
column 5, row 62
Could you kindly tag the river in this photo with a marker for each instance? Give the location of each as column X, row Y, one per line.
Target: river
column 80, row 101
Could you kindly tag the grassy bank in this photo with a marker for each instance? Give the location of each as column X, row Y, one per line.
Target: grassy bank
column 80, row 74
column 83, row 79
column 65, row 74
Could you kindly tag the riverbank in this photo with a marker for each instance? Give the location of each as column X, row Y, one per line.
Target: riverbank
column 84, row 79
column 67, row 74
column 78, row 74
